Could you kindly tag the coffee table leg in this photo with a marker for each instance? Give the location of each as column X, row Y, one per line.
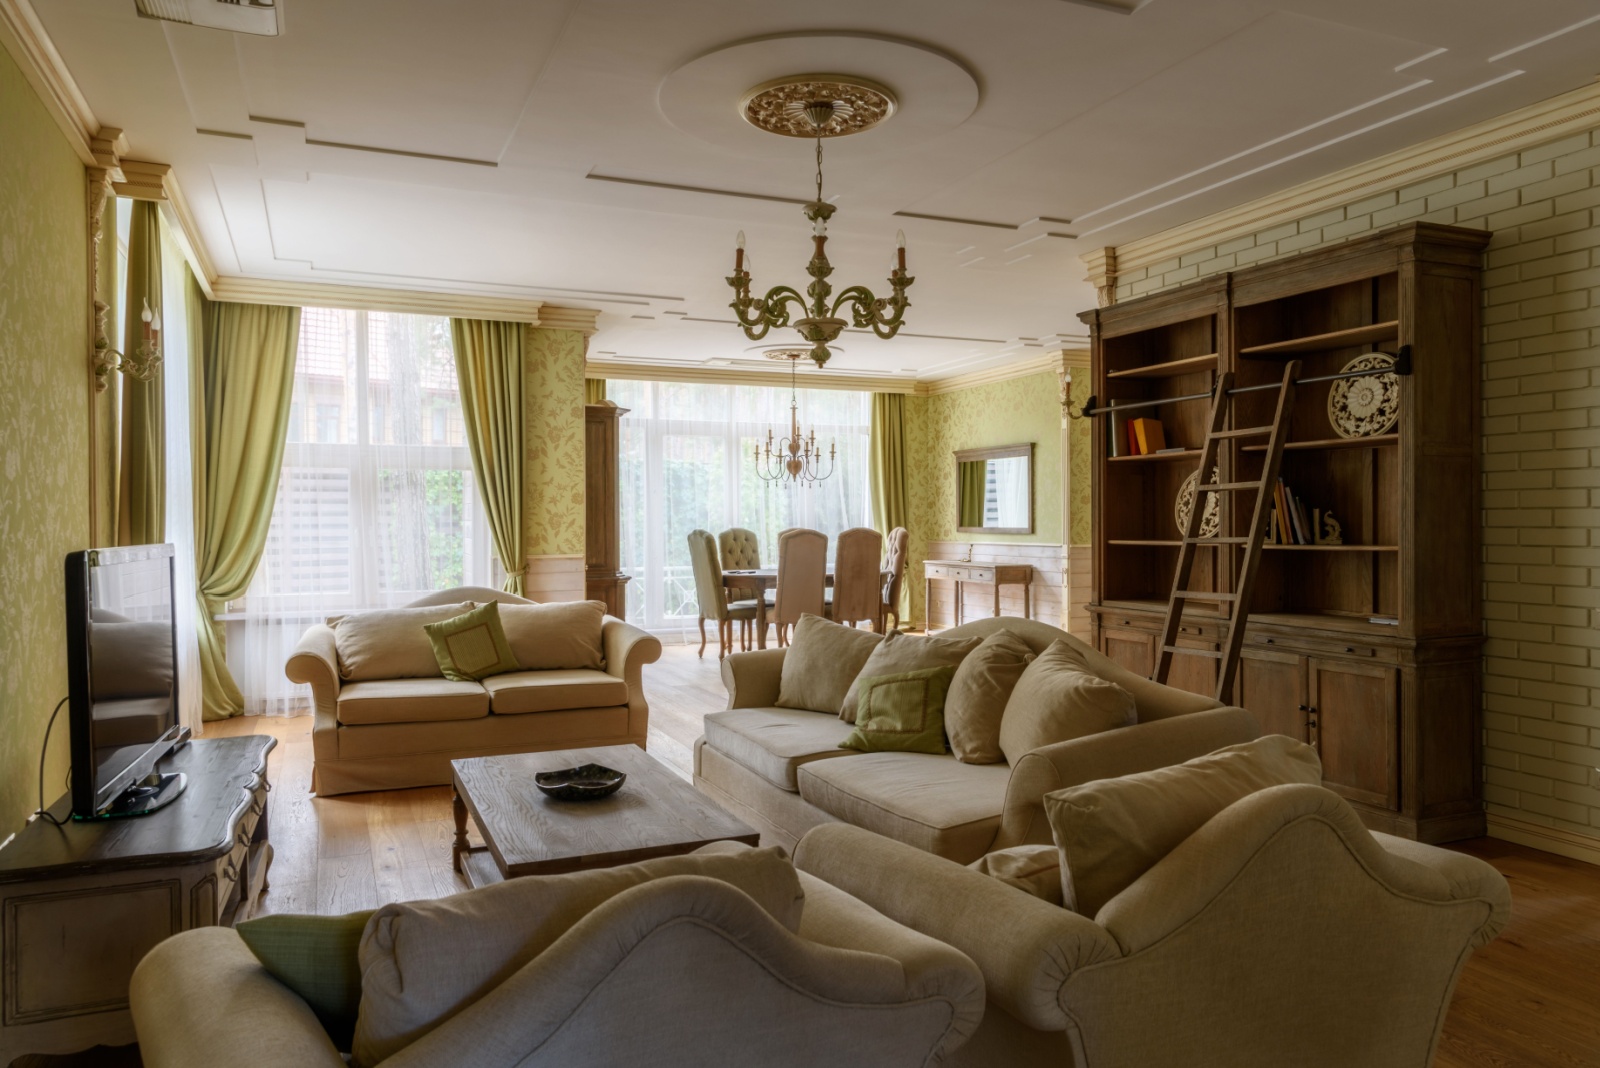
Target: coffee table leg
column 459, row 847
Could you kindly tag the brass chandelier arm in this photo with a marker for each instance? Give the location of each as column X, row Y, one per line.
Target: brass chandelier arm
column 882, row 315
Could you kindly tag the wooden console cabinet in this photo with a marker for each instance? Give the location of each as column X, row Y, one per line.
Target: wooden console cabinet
column 1368, row 650
column 80, row 905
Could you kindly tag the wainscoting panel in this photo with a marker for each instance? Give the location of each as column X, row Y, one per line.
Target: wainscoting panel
column 554, row 578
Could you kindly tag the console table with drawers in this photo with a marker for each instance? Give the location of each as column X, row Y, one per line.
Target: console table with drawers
column 988, row 574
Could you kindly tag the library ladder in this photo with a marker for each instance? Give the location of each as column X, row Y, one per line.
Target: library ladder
column 1276, row 433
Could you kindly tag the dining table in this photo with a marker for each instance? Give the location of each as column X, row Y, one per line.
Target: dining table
column 762, row 579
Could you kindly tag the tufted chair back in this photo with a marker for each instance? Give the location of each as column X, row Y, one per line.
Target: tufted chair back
column 741, row 551
column 707, row 575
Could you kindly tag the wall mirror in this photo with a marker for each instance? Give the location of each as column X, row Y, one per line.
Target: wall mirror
column 994, row 490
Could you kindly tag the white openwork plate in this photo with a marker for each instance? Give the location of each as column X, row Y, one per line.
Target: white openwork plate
column 1210, row 519
column 1361, row 407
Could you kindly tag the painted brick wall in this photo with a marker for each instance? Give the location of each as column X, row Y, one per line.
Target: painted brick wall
column 1541, row 449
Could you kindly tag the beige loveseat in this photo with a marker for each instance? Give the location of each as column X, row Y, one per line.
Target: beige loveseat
column 782, row 769
column 392, row 733
column 1281, row 933
column 691, row 964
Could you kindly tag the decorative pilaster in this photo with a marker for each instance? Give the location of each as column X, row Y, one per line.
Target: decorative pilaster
column 1102, row 265
column 1072, row 374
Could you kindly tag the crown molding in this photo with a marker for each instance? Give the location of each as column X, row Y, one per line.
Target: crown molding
column 732, row 376
column 187, row 232
column 141, row 180
column 1550, row 839
column 24, row 36
column 554, row 317
column 323, row 295
column 1511, row 132
column 1046, row 363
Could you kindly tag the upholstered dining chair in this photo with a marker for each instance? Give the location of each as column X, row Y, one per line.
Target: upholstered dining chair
column 741, row 551
column 857, row 592
column 895, row 565
column 714, row 603
column 802, row 578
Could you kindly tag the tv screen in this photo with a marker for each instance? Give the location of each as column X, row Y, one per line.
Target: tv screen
column 123, row 679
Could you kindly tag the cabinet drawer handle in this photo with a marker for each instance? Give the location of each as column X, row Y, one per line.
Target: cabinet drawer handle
column 230, row 873
column 1268, row 641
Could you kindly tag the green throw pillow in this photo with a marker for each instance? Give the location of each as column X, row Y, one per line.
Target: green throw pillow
column 473, row 645
column 318, row 958
column 901, row 713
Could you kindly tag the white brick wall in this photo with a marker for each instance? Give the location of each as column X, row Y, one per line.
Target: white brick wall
column 1541, row 449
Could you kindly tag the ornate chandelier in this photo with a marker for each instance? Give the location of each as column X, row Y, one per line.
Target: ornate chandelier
column 819, row 106
column 795, row 457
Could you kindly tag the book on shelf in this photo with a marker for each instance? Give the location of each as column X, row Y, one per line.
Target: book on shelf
column 1149, row 436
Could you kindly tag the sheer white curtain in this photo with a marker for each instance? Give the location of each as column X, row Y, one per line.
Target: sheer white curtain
column 376, row 502
column 686, row 463
column 176, row 368
column 1010, row 489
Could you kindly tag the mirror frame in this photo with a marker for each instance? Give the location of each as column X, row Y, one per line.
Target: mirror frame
column 998, row 452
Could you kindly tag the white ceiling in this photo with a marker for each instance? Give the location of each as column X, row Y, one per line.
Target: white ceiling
column 463, row 147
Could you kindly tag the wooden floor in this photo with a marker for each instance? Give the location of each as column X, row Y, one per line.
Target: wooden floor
column 1531, row 999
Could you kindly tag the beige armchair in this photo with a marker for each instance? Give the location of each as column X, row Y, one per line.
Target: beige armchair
column 1281, row 933
column 682, row 970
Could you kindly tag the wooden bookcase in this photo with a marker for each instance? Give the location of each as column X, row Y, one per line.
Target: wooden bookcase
column 1368, row 649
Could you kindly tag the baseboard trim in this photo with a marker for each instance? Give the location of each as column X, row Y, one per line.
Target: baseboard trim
column 1550, row 839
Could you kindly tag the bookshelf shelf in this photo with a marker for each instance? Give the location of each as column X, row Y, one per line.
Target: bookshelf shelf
column 1333, row 339
column 1148, row 543
column 1335, row 548
column 1375, row 441
column 1181, row 454
column 1169, row 368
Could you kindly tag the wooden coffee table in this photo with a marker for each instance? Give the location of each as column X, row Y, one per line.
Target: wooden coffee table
column 655, row 814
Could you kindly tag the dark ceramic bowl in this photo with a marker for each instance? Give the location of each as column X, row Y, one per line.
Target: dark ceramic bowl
column 586, row 782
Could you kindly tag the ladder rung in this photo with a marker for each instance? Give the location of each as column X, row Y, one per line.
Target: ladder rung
column 1246, row 432
column 1218, row 541
column 1197, row 595
column 1217, row 487
column 1212, row 653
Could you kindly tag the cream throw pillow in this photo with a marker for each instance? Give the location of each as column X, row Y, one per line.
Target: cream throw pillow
column 424, row 961
column 821, row 663
column 899, row 653
column 390, row 643
column 555, row 636
column 978, row 694
column 1033, row 869
column 1055, row 700
column 1111, row 831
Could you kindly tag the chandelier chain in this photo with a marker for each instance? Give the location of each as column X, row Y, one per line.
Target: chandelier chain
column 819, row 169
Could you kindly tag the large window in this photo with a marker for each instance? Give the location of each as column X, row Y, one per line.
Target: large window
column 686, row 464
column 376, row 501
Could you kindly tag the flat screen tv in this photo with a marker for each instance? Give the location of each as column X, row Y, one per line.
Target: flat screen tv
column 122, row 686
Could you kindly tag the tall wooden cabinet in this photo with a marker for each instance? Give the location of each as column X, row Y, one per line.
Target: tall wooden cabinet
column 603, row 576
column 1368, row 649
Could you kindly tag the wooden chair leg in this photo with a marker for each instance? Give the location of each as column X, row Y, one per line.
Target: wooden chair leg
column 702, row 652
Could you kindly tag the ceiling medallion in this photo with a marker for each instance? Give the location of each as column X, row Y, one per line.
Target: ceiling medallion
column 781, row 106
column 819, row 321
column 786, row 354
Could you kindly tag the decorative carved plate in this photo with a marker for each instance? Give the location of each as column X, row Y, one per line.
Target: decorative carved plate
column 1210, row 519
column 852, row 105
column 1361, row 407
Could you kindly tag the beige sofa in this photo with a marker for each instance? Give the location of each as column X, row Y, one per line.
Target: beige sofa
column 395, row 733
column 782, row 771
column 1282, row 932
column 682, row 969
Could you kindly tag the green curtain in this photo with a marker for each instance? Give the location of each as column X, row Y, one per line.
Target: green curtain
column 886, row 473
column 489, row 361
column 246, row 381
column 972, row 478
column 594, row 391
column 141, row 480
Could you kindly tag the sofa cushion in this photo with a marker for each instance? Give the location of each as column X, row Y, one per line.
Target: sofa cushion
column 555, row 636
column 1111, row 831
column 471, row 646
column 821, row 662
column 422, row 962
column 978, row 695
column 935, row 803
column 899, row 653
column 1033, row 869
column 390, row 643
column 553, row 691
column 318, row 957
column 1056, row 701
column 774, row 742
column 410, row 701
column 902, row 713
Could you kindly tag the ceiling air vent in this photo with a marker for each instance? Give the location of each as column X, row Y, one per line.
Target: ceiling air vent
column 259, row 17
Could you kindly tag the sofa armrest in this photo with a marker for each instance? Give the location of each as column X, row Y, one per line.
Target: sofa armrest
column 1026, row 948
column 201, row 997
column 752, row 678
column 627, row 650
column 1125, row 751
column 315, row 661
column 759, row 995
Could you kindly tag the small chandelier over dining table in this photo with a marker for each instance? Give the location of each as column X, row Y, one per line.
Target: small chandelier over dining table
column 794, row 457
column 818, row 106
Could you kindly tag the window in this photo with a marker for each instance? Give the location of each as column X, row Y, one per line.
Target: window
column 686, row 463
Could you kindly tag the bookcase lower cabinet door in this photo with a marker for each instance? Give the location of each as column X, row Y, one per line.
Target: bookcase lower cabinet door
column 1272, row 686
column 1355, row 711
column 1133, row 649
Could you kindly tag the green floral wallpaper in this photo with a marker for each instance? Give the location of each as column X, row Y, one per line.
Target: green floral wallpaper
column 1081, row 521
column 44, row 442
column 552, row 506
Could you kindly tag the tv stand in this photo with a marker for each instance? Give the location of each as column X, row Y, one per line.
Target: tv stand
column 81, row 904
